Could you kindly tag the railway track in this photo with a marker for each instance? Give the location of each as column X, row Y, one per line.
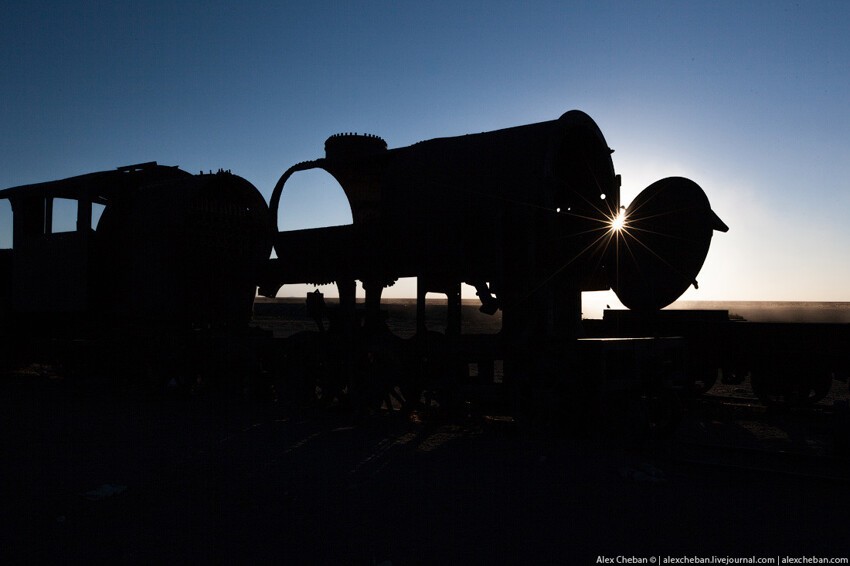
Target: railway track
column 737, row 432
column 763, row 461
column 756, row 404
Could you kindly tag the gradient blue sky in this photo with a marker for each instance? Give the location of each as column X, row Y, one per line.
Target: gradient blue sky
column 748, row 99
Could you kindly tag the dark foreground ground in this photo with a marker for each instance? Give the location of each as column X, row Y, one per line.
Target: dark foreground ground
column 91, row 474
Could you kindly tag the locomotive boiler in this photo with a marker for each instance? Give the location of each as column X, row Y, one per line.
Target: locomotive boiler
column 530, row 216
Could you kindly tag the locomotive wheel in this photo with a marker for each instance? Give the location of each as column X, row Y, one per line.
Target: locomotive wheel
column 312, row 374
column 664, row 412
column 789, row 383
column 436, row 375
column 733, row 375
column 371, row 375
column 703, row 380
column 384, row 380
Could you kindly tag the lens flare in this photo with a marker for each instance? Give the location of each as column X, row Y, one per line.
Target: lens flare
column 618, row 221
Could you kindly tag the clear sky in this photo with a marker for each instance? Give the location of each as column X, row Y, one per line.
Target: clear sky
column 748, row 99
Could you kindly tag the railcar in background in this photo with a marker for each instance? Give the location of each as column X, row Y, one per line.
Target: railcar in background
column 139, row 255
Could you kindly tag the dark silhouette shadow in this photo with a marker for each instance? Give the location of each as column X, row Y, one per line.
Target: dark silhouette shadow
column 351, row 437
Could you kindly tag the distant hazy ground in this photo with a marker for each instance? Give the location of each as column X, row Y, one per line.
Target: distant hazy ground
column 776, row 311
column 289, row 315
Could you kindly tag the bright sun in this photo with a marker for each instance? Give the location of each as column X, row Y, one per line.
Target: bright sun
column 618, row 222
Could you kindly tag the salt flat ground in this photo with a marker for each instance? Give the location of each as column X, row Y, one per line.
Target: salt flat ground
column 94, row 474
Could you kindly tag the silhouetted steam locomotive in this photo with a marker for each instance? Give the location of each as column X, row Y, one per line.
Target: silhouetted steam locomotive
column 530, row 216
